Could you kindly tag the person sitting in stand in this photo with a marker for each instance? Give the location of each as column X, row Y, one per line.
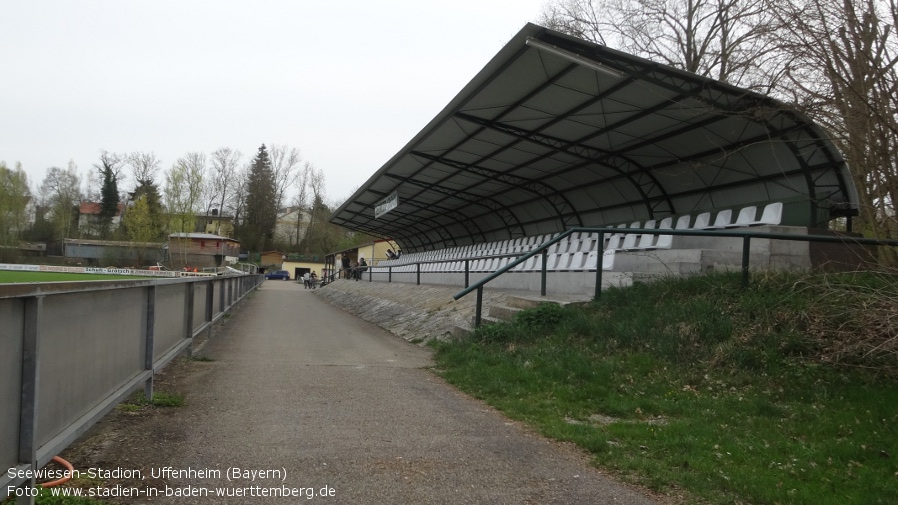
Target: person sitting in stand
column 390, row 254
column 361, row 267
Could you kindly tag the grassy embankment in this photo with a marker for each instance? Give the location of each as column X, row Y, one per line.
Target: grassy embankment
column 784, row 393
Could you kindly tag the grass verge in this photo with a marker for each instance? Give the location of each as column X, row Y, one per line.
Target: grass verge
column 780, row 393
column 14, row 276
column 138, row 402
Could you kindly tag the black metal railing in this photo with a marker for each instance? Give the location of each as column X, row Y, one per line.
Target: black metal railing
column 746, row 237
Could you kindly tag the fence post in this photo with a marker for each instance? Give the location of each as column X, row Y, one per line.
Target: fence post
column 418, row 267
column 746, row 249
column 479, row 309
column 188, row 323
column 210, row 309
column 542, row 288
column 601, row 248
column 222, row 285
column 389, row 275
column 30, row 386
column 149, row 342
column 467, row 271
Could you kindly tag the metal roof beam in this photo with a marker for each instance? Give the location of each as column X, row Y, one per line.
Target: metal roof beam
column 642, row 179
column 505, row 214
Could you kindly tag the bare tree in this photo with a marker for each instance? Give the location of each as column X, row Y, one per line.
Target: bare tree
column 237, row 203
column 284, row 162
column 183, row 185
column 61, row 192
column 316, row 200
column 144, row 166
column 301, row 202
column 842, row 58
column 722, row 39
column 223, row 177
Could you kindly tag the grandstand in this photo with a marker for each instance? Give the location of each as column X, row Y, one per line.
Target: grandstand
column 558, row 133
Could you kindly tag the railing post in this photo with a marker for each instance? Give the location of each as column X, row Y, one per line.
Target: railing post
column 149, row 341
column 222, row 289
column 389, row 275
column 188, row 323
column 418, row 267
column 542, row 288
column 29, row 389
column 467, row 272
column 479, row 310
column 746, row 249
column 210, row 299
column 601, row 248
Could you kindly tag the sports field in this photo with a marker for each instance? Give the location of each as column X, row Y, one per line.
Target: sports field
column 11, row 277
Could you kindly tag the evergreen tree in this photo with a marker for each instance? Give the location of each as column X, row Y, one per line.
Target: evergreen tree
column 109, row 166
column 257, row 229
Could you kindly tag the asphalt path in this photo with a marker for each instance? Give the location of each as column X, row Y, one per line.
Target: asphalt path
column 305, row 398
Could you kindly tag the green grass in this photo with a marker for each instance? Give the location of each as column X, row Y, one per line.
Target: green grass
column 10, row 277
column 735, row 396
column 137, row 401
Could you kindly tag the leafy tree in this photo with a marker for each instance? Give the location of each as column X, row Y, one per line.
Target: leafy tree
column 183, row 189
column 141, row 225
column 147, row 192
column 60, row 194
column 257, row 230
column 14, row 198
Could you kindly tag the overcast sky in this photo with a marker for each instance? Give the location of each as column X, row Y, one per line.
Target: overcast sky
column 348, row 82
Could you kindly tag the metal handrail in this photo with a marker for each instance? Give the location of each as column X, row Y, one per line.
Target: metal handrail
column 746, row 243
column 520, row 260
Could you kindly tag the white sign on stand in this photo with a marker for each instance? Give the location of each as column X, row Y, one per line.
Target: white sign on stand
column 389, row 203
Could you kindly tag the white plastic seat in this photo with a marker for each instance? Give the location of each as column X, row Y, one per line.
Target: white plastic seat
column 702, row 221
column 647, row 240
column 532, row 263
column 772, row 215
column 723, row 219
column 665, row 241
column 564, row 261
column 552, row 262
column 746, row 215
column 592, row 260
column 577, row 261
column 614, row 242
column 588, row 243
column 683, row 222
column 629, row 242
column 608, row 260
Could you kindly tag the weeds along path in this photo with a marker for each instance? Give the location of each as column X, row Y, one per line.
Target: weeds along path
column 300, row 394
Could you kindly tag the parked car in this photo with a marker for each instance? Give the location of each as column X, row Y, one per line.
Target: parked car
column 278, row 274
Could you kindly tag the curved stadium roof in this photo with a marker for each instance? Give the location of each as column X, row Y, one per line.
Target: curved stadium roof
column 557, row 132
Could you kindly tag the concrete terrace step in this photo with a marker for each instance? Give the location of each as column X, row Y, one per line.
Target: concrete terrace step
column 422, row 313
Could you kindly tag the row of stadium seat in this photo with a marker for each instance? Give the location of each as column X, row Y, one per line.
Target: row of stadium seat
column 580, row 251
